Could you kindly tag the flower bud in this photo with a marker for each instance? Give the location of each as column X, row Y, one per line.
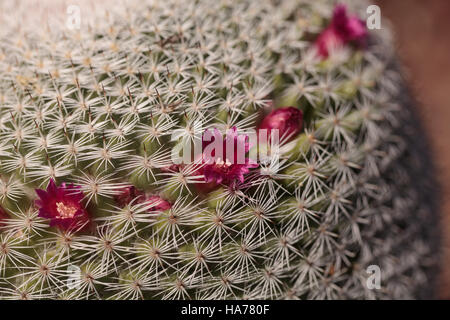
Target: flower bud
column 128, row 194
column 157, row 203
column 343, row 29
column 287, row 120
column 3, row 216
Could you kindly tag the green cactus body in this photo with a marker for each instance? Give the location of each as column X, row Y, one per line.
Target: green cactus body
column 102, row 108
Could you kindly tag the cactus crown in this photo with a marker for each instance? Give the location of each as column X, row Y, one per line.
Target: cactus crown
column 89, row 119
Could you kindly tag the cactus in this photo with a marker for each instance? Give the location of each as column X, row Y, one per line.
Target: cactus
column 93, row 207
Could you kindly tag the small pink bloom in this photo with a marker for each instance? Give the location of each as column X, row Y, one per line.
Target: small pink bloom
column 63, row 206
column 128, row 194
column 158, row 203
column 288, row 120
column 343, row 29
column 217, row 169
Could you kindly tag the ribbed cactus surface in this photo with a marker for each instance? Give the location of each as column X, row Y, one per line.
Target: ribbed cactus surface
column 92, row 204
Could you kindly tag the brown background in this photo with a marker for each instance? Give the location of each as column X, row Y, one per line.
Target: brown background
column 422, row 31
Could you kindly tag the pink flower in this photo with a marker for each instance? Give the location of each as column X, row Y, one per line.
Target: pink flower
column 128, row 194
column 158, row 203
column 343, row 29
column 62, row 205
column 288, row 120
column 3, row 216
column 220, row 169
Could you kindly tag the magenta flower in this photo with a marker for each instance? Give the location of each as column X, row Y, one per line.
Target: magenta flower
column 220, row 169
column 343, row 29
column 288, row 120
column 63, row 206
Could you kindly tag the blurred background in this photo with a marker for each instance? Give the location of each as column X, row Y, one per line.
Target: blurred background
column 422, row 32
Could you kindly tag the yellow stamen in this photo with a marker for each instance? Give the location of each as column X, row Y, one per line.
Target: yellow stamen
column 65, row 211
